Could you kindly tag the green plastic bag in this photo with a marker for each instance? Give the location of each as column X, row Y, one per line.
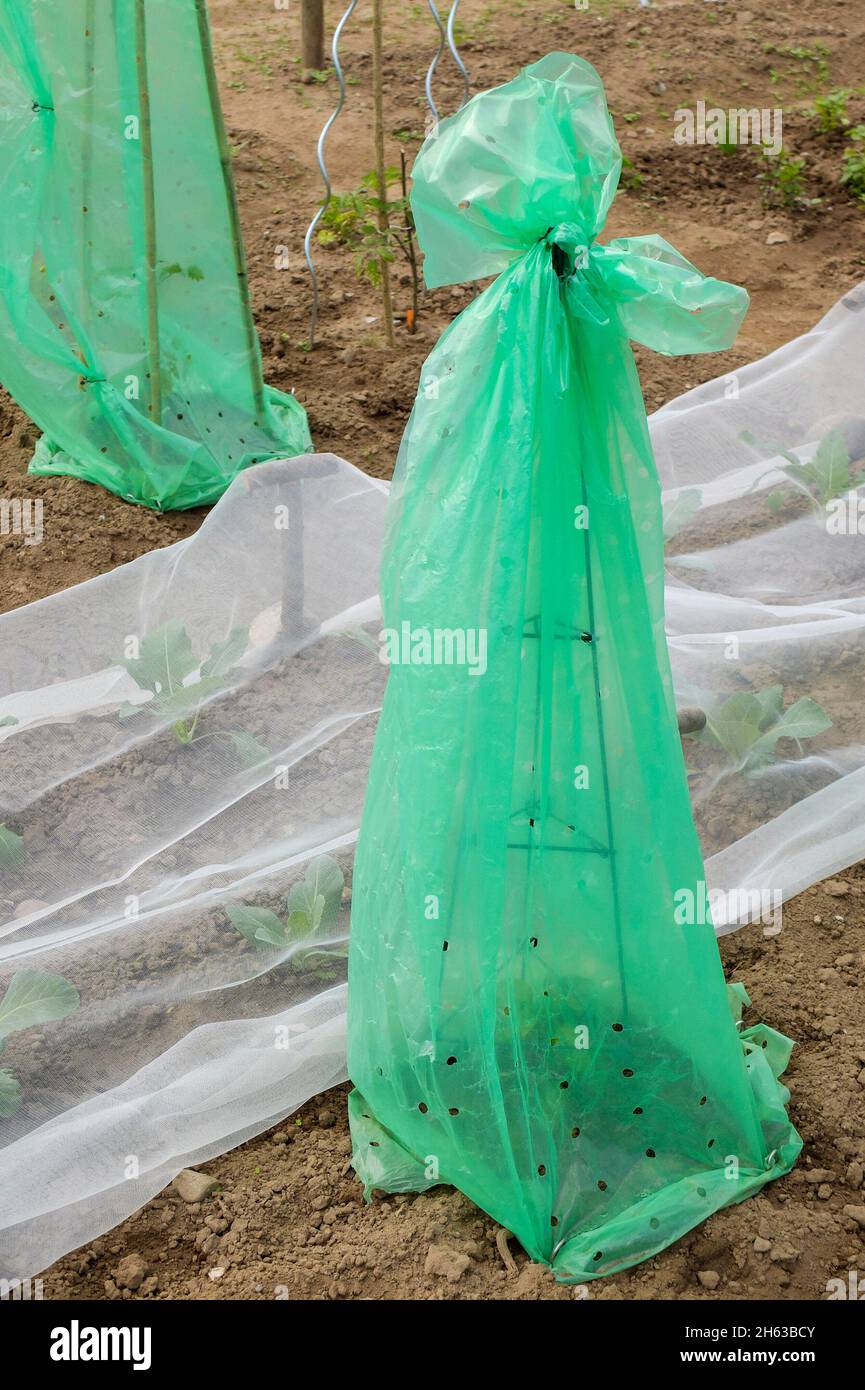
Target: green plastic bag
column 125, row 325
column 537, row 1009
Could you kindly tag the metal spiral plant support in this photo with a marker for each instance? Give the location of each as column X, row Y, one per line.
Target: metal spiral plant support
column 310, row 231
column 452, row 45
column 446, row 35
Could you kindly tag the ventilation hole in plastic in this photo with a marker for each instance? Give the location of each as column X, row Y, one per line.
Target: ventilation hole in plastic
column 626, row 1071
column 764, row 1043
column 638, row 1110
column 585, row 637
column 374, row 1144
column 506, row 1011
column 450, row 1061
column 575, row 1132
column 617, row 1027
column 365, row 1116
column 422, row 1107
column 179, row 417
column 602, row 1185
column 533, row 941
column 542, row 1170
column 650, row 1153
column 703, row 1100
column 563, row 1085
column 453, row 1110
column 444, row 945
column 701, row 1191
column 554, row 1221
column 598, row 1255
column 654, row 1223
column 710, row 1143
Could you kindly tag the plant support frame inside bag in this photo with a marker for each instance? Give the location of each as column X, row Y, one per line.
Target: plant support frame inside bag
column 537, row 1009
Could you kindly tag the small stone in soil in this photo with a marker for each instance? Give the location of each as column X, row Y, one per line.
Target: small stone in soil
column 131, row 1272
column 836, row 887
column 193, row 1186
column 446, row 1262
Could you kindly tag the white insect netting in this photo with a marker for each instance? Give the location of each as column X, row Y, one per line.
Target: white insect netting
column 183, row 753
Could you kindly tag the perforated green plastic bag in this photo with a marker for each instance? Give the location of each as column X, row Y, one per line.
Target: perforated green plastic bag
column 125, row 326
column 537, row 1009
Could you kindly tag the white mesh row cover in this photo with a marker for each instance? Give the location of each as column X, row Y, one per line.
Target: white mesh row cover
column 131, row 841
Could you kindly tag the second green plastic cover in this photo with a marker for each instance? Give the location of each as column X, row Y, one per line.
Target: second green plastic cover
column 125, row 326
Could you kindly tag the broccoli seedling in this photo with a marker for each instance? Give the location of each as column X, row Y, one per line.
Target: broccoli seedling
column 164, row 668
column 828, row 474
column 748, row 726
column 312, row 911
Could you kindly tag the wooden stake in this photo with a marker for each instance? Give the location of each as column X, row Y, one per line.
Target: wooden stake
column 312, row 34
column 149, row 194
column 378, row 109
column 410, row 239
column 252, row 353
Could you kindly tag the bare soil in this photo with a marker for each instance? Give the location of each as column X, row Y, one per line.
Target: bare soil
column 287, row 1219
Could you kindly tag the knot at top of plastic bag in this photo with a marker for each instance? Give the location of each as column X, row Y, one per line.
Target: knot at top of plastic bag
column 537, row 153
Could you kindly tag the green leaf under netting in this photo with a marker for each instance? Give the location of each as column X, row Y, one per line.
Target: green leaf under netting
column 10, row 1093
column 826, row 475
column 249, row 749
column 679, row 511
column 748, row 725
column 33, row 998
column 258, row 924
column 226, row 654
column 11, row 846
column 312, row 910
column 165, row 667
column 318, row 897
column 165, row 659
